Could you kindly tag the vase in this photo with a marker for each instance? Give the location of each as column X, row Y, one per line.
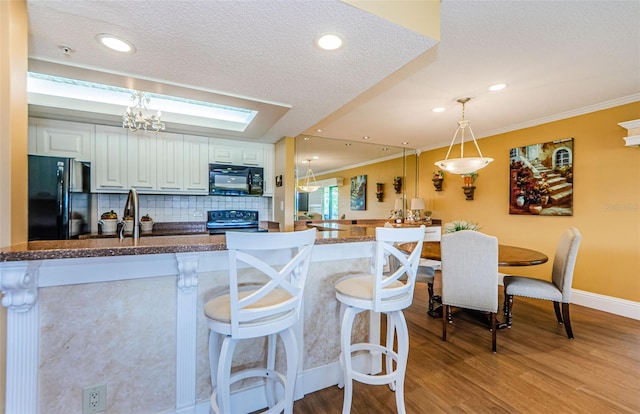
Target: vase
column 520, row 200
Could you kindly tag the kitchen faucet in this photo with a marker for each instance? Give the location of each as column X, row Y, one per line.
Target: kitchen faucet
column 132, row 204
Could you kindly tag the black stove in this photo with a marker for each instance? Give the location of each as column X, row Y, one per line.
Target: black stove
column 221, row 221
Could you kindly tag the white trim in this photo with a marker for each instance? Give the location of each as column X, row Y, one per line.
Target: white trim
column 609, row 304
column 632, row 141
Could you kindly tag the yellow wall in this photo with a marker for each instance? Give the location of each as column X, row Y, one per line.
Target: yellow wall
column 13, row 142
column 606, row 201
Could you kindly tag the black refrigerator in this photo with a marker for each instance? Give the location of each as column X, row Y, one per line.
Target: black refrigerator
column 59, row 198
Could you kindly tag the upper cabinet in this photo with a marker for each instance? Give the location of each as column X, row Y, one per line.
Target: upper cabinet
column 269, row 177
column 222, row 151
column 109, row 164
column 196, row 164
column 170, row 162
column 60, row 138
column 142, row 160
column 152, row 163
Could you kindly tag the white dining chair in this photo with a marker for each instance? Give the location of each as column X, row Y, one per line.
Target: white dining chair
column 469, row 275
column 269, row 309
column 557, row 290
column 384, row 292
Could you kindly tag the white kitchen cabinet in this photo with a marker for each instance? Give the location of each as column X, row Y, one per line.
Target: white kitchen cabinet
column 222, row 151
column 196, row 164
column 170, row 167
column 268, row 165
column 109, row 160
column 141, row 161
column 61, row 138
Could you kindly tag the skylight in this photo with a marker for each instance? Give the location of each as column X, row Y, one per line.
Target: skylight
column 55, row 91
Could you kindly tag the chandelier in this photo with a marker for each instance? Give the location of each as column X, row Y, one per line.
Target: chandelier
column 463, row 165
column 134, row 118
column 310, row 185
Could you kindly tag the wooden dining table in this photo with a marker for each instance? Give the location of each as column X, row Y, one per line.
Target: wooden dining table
column 507, row 256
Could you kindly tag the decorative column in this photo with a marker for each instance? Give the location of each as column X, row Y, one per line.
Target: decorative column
column 186, row 321
column 19, row 285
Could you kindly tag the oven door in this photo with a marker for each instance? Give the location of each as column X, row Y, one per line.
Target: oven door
column 229, row 180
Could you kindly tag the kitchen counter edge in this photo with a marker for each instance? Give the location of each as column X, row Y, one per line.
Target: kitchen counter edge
column 73, row 249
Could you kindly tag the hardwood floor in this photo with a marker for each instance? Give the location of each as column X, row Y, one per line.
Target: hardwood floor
column 537, row 369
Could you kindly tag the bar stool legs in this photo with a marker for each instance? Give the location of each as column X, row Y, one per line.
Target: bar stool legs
column 221, row 370
column 396, row 328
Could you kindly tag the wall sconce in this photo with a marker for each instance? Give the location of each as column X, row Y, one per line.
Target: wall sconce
column 438, row 178
column 397, row 184
column 468, row 188
column 379, row 193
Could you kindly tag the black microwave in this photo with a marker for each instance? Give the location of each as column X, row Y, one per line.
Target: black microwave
column 235, row 180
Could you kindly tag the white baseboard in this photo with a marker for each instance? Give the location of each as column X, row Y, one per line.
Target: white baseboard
column 622, row 307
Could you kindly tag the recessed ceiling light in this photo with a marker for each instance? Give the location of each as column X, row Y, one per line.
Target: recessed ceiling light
column 405, row 143
column 318, row 130
column 115, row 43
column 329, row 42
column 365, row 137
column 497, row 87
column 348, row 144
column 438, row 109
column 315, row 157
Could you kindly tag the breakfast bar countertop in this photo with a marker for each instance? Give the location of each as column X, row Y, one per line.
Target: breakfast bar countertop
column 104, row 247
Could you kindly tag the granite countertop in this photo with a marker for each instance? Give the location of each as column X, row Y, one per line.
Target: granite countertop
column 189, row 243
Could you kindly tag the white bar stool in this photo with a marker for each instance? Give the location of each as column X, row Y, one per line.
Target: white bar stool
column 384, row 292
column 266, row 310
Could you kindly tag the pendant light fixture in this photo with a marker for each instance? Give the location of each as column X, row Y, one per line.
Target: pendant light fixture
column 310, row 185
column 463, row 165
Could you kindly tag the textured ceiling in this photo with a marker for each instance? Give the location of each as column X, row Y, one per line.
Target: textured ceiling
column 559, row 58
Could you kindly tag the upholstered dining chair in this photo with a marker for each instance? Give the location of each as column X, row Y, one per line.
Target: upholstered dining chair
column 387, row 289
column 268, row 309
column 428, row 268
column 557, row 290
column 469, row 275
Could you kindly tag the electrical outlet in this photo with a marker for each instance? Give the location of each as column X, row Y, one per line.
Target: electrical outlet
column 94, row 399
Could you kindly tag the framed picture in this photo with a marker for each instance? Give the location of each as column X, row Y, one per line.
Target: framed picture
column 541, row 179
column 278, row 180
column 359, row 192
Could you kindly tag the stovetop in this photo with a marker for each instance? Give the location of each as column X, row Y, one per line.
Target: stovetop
column 218, row 221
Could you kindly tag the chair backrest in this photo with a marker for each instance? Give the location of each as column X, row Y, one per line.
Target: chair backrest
column 470, row 270
column 393, row 290
column 284, row 284
column 565, row 260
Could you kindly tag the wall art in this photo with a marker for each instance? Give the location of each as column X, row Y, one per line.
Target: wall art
column 359, row 192
column 541, row 179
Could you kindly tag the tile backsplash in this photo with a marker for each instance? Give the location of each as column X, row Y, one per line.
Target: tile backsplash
column 172, row 208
